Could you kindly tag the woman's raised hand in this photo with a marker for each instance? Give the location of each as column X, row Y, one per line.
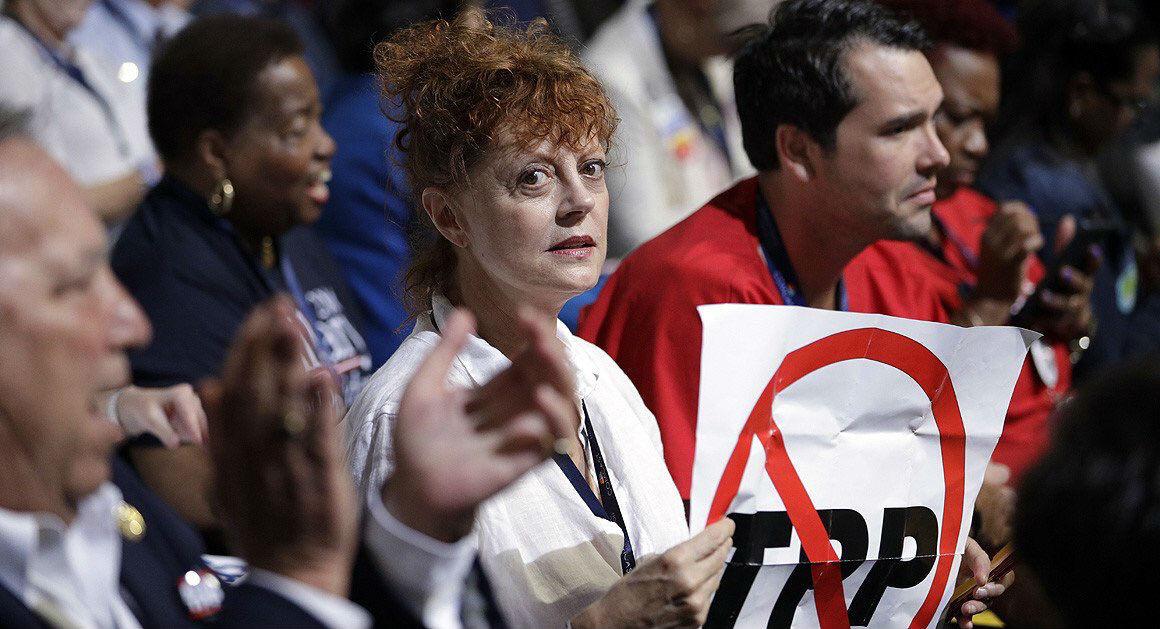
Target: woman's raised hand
column 669, row 590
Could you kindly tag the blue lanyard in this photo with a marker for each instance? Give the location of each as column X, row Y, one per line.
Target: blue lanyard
column 964, row 288
column 969, row 256
column 74, row 72
column 778, row 262
column 607, row 508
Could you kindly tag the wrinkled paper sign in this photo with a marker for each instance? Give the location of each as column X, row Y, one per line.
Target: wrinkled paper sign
column 849, row 449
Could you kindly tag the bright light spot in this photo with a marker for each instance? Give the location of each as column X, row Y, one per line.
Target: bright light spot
column 1084, row 342
column 192, row 578
column 128, row 72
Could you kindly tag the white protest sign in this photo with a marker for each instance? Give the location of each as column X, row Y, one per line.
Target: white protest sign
column 849, row 448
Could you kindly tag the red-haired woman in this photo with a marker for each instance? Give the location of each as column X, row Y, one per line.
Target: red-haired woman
column 504, row 136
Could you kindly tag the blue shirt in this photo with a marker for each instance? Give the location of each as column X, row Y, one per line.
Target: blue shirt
column 1053, row 187
column 365, row 222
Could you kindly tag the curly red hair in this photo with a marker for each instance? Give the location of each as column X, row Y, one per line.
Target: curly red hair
column 460, row 83
column 461, row 87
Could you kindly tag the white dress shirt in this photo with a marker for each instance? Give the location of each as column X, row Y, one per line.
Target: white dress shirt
column 668, row 165
column 68, row 574
column 547, row 555
column 428, row 575
column 97, row 138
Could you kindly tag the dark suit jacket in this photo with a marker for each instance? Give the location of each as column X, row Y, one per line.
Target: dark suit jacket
column 150, row 566
column 252, row 606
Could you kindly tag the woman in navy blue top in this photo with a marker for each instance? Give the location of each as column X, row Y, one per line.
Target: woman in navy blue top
column 234, row 112
column 246, row 170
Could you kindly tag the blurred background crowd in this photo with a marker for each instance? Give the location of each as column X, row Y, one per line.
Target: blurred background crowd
column 79, row 70
column 233, row 160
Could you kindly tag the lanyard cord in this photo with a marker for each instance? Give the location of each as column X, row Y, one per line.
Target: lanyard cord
column 607, row 508
column 74, row 72
column 960, row 245
column 145, row 41
column 778, row 262
column 607, row 495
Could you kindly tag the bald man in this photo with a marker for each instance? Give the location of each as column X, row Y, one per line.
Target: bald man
column 83, row 542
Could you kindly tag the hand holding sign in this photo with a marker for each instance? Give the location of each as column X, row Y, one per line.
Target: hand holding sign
column 977, row 568
column 670, row 590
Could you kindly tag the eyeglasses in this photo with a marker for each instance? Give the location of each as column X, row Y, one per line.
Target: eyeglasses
column 1135, row 104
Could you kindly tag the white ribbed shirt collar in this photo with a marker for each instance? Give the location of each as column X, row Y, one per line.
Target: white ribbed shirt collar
column 483, row 362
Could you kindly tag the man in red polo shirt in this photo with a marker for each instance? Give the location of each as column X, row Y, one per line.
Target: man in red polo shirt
column 837, row 106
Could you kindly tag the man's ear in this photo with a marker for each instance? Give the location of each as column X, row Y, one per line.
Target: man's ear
column 210, row 151
column 796, row 151
column 440, row 209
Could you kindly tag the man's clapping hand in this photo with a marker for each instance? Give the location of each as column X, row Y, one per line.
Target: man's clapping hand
column 286, row 499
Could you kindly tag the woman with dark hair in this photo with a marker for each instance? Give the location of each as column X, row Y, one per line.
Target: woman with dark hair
column 504, row 136
column 1088, row 68
column 234, row 113
column 1088, row 506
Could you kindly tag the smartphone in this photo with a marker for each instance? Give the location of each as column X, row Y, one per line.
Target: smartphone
column 1089, row 232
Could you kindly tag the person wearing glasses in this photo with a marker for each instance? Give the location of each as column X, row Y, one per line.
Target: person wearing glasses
column 1088, row 69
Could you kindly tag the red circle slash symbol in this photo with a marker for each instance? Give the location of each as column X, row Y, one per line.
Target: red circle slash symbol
column 888, row 348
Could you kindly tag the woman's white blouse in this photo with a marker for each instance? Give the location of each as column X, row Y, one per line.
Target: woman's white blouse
column 546, row 554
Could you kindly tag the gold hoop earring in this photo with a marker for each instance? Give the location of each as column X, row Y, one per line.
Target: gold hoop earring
column 222, row 197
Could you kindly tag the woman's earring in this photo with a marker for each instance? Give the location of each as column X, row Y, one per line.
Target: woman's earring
column 222, row 198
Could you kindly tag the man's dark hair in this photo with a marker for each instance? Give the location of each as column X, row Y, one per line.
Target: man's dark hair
column 1087, row 519
column 206, row 78
column 972, row 24
column 791, row 70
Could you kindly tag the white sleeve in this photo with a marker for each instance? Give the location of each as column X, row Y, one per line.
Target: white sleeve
column 328, row 609
column 21, row 85
column 428, row 575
